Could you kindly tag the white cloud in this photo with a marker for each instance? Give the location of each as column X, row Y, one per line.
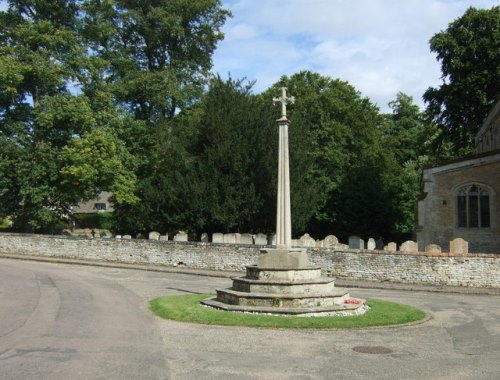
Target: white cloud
column 379, row 46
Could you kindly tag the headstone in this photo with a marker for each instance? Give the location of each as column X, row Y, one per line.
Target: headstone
column 164, row 237
column 380, row 244
column 307, row 241
column 260, row 239
column 127, row 237
column 245, row 239
column 230, row 238
column 271, row 239
column 204, row 237
column 392, row 247
column 217, row 237
column 355, row 242
column 153, row 235
column 181, row 236
column 433, row 248
column 371, row 245
column 409, row 246
column 459, row 246
column 118, row 236
column 330, row 241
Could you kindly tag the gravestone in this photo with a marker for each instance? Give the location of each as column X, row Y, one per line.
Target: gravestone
column 181, row 236
column 164, row 237
column 409, row 246
column 153, row 235
column 371, row 245
column 230, row 238
column 355, row 242
column 391, row 247
column 217, row 237
column 330, row 241
column 127, row 237
column 245, row 239
column 118, row 236
column 260, row 239
column 380, row 244
column 271, row 239
column 204, row 237
column 459, row 246
column 307, row 241
column 433, row 248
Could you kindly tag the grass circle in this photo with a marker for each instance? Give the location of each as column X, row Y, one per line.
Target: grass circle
column 187, row 308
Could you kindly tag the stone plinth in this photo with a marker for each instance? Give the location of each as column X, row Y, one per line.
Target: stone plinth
column 283, row 283
column 283, row 258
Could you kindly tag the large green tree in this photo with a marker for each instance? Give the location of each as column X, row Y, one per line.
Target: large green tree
column 339, row 169
column 469, row 53
column 56, row 148
column 158, row 52
column 410, row 136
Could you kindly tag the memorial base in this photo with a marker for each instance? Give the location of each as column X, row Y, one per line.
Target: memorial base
column 283, row 283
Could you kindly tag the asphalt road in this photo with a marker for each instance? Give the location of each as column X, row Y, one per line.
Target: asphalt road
column 61, row 321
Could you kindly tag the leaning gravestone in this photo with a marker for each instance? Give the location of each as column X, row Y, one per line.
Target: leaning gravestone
column 459, row 246
column 153, row 235
column 204, row 237
column 355, row 242
column 409, row 246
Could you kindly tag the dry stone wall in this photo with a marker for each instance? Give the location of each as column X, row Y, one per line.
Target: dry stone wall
column 471, row 270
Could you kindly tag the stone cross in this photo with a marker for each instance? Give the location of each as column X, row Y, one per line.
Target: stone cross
column 284, row 100
column 283, row 215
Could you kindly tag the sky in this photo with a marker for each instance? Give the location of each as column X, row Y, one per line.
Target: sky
column 381, row 47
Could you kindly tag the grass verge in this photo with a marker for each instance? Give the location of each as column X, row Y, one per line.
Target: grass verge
column 187, row 308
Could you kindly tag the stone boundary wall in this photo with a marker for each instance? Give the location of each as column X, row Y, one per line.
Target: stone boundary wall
column 471, row 270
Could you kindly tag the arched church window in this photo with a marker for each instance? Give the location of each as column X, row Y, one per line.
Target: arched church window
column 473, row 207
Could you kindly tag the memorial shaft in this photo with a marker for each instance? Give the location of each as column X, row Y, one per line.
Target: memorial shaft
column 283, row 210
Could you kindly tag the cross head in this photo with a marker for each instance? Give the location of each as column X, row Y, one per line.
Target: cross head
column 284, row 100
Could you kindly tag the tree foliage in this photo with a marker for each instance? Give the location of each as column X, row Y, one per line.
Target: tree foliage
column 470, row 64
column 157, row 53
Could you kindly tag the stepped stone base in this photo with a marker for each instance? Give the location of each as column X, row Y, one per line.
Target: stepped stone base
column 289, row 287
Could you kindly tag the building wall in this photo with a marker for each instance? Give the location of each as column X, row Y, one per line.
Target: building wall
column 488, row 137
column 438, row 215
column 471, row 270
column 90, row 206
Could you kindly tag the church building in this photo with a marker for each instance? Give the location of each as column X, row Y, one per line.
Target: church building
column 461, row 198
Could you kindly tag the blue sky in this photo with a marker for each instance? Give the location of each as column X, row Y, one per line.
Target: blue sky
column 379, row 46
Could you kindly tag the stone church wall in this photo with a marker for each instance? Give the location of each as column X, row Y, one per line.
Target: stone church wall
column 472, row 270
column 438, row 216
